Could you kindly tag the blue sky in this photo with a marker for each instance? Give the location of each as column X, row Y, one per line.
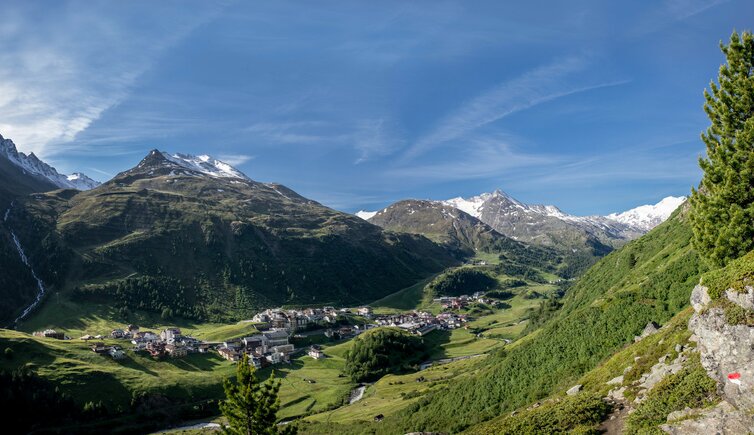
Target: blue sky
column 593, row 106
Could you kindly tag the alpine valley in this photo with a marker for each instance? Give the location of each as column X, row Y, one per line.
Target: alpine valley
column 183, row 296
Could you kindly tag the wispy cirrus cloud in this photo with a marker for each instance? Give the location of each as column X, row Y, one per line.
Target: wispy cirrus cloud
column 485, row 157
column 682, row 9
column 50, row 93
column 373, row 139
column 543, row 84
column 235, row 159
column 369, row 137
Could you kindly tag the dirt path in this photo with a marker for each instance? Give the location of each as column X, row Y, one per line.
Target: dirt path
column 614, row 423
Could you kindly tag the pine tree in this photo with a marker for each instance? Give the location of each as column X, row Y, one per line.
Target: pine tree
column 723, row 208
column 250, row 406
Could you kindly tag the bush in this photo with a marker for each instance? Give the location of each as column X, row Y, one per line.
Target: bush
column 577, row 414
column 690, row 387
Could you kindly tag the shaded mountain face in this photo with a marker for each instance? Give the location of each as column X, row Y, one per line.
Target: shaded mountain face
column 197, row 236
column 17, row 285
column 31, row 166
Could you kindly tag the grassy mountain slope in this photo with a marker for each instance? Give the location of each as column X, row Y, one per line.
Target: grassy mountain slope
column 650, row 279
column 442, row 223
column 159, row 236
column 584, row 413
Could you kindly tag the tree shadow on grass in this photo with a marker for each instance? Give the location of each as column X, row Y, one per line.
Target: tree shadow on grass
column 434, row 341
column 197, row 362
column 133, row 364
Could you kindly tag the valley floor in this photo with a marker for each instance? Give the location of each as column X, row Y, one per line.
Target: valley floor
column 314, row 389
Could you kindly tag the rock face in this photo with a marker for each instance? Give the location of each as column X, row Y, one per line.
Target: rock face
column 745, row 300
column 722, row 419
column 727, row 354
column 576, row 389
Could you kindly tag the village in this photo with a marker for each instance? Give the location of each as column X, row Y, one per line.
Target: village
column 276, row 329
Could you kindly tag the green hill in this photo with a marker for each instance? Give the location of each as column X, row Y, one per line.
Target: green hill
column 161, row 236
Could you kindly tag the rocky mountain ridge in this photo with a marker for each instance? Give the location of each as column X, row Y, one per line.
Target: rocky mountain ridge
column 547, row 225
column 33, row 166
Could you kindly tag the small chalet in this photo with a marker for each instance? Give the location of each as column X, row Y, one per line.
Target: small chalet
column 175, row 351
column 156, row 349
column 229, row 353
column 170, row 334
column 99, row 347
column 116, row 352
column 316, row 353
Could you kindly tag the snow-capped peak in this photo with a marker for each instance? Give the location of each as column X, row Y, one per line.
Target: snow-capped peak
column 473, row 205
column 31, row 164
column 205, row 164
column 81, row 181
column 366, row 215
column 648, row 216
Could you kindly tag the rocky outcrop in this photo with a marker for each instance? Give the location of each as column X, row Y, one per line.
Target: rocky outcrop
column 650, row 329
column 723, row 419
column 727, row 355
column 744, row 299
column 727, row 351
column 657, row 373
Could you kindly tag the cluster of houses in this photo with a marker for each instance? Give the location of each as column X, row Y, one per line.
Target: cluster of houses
column 297, row 320
column 421, row 322
column 264, row 349
column 116, row 352
column 458, row 302
column 267, row 348
column 170, row 342
column 272, row 346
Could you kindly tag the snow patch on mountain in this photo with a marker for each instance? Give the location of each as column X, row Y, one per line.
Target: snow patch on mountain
column 647, row 217
column 473, row 205
column 366, row 215
column 31, row 164
column 206, row 165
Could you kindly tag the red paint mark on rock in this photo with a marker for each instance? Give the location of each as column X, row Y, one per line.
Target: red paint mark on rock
column 735, row 378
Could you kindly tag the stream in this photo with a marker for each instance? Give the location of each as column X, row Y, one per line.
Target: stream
column 357, row 394
column 41, row 290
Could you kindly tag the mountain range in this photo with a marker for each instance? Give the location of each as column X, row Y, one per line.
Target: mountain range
column 544, row 225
